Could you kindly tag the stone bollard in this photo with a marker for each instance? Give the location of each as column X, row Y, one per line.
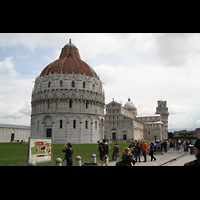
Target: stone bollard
column 58, row 162
column 78, row 161
column 31, row 164
column 93, row 158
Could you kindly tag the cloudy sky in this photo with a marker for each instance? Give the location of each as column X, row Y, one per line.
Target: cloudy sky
column 145, row 67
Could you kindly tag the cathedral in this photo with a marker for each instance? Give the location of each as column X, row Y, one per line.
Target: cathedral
column 68, row 104
column 123, row 123
column 68, row 101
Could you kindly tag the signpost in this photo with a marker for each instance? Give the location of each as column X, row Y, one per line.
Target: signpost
column 40, row 150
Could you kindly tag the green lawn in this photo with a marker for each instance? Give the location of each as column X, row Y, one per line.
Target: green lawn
column 15, row 154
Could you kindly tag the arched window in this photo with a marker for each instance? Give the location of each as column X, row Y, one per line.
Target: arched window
column 74, row 124
column 93, row 87
column 38, row 125
column 86, row 105
column 49, row 84
column 84, row 84
column 60, row 123
column 70, row 103
column 61, row 83
column 95, row 125
column 73, row 83
column 48, row 102
column 86, row 124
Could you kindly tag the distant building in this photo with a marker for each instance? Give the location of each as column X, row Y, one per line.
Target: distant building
column 195, row 133
column 14, row 133
column 122, row 123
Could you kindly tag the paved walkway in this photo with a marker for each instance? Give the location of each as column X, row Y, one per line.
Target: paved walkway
column 160, row 159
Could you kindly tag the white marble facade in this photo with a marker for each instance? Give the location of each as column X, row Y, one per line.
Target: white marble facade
column 68, row 107
column 14, row 133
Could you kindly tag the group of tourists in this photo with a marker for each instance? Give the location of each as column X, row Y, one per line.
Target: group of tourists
column 131, row 154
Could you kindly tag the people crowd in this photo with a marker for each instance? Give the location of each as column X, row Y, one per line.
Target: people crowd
column 132, row 153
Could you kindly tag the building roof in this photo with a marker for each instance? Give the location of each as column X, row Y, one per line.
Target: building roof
column 129, row 105
column 69, row 62
column 14, row 126
column 156, row 115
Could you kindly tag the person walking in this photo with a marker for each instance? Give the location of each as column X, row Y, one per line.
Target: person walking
column 171, row 145
column 180, row 146
column 144, row 150
column 103, row 152
column 68, row 154
column 152, row 151
column 116, row 151
column 137, row 152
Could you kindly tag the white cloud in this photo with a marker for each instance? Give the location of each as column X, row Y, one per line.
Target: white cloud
column 7, row 66
column 146, row 84
column 15, row 94
column 143, row 67
column 198, row 122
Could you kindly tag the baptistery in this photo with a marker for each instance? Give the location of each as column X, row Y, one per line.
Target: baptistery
column 68, row 101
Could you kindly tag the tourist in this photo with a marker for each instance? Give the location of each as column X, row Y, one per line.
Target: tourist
column 191, row 146
column 68, row 154
column 116, row 151
column 127, row 159
column 137, row 152
column 103, row 152
column 132, row 147
column 165, row 145
column 152, row 151
column 197, row 155
column 179, row 146
column 144, row 150
column 171, row 145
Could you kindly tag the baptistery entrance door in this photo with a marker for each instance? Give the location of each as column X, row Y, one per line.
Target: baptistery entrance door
column 48, row 132
column 113, row 135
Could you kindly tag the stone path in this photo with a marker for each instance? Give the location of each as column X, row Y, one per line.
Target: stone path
column 160, row 159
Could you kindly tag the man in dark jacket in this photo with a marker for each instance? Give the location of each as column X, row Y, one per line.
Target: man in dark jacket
column 68, row 153
column 103, row 152
column 137, row 152
column 197, row 155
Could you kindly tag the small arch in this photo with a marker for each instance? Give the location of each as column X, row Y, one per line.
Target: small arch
column 86, row 124
column 61, row 83
column 73, row 83
column 70, row 103
column 74, row 124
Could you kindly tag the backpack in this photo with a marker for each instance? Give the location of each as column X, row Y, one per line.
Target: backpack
column 103, row 148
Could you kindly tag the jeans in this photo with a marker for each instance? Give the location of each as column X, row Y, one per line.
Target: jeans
column 137, row 155
column 145, row 155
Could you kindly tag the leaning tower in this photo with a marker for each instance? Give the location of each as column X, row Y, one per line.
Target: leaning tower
column 163, row 111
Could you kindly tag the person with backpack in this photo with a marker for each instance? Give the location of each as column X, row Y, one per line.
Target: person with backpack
column 116, row 152
column 103, row 152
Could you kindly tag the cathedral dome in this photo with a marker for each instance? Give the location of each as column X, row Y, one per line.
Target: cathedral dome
column 129, row 104
column 69, row 62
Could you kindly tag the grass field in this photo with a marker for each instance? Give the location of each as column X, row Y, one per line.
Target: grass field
column 15, row 154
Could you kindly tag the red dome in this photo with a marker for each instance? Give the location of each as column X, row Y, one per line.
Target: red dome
column 69, row 62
